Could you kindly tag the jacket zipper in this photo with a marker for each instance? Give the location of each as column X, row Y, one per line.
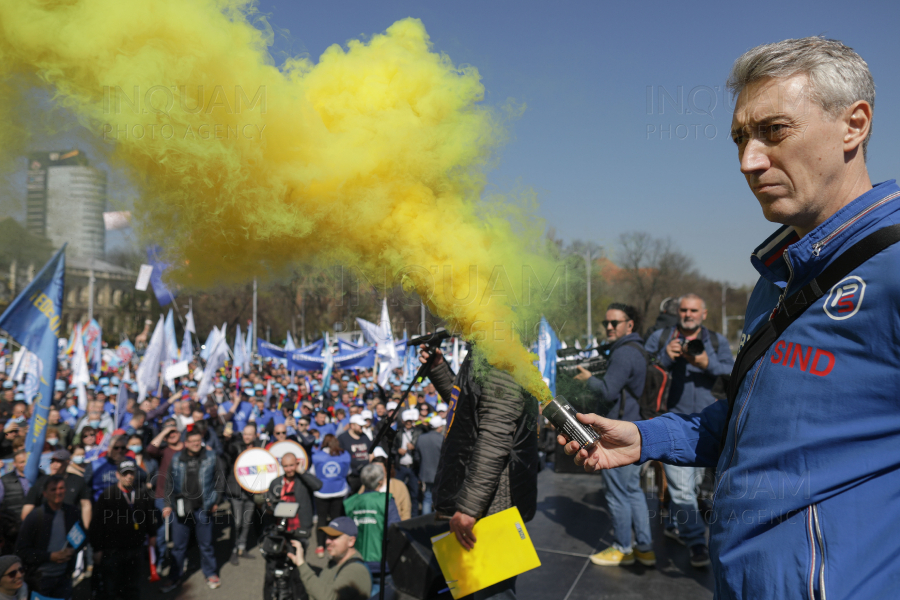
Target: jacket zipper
column 778, row 306
column 817, row 247
column 812, row 548
column 820, row 539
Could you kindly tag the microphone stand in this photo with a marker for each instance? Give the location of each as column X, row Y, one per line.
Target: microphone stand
column 389, row 434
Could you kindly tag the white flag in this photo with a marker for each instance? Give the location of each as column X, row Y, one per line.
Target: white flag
column 189, row 322
column 80, row 374
column 148, row 371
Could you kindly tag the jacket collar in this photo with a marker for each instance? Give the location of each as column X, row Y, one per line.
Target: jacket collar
column 631, row 337
column 812, row 253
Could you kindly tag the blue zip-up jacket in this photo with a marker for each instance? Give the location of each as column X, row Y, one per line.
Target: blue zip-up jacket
column 691, row 389
column 808, row 479
column 211, row 482
column 627, row 371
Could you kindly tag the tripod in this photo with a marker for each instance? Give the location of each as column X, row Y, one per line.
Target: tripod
column 387, row 433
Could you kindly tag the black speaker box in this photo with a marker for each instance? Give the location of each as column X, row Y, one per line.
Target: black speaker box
column 414, row 569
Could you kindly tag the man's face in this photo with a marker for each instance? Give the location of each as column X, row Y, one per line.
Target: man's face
column 20, row 461
column 691, row 314
column 249, row 434
column 117, row 449
column 338, row 546
column 379, row 410
column 355, row 428
column 791, row 152
column 58, row 467
column 53, row 417
column 173, row 437
column 617, row 325
column 302, row 425
column 408, row 424
column 320, row 418
column 55, row 493
column 126, row 479
column 280, row 432
column 289, row 464
column 193, row 443
column 18, row 410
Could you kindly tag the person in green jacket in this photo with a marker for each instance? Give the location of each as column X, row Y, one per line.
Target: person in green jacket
column 346, row 576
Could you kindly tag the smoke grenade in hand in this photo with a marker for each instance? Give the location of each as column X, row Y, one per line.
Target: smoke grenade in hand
column 562, row 415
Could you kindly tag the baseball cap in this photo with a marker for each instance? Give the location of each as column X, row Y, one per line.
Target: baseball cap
column 391, row 405
column 437, row 422
column 379, row 452
column 358, row 420
column 442, row 406
column 341, row 526
column 60, row 455
column 410, row 415
column 126, row 466
column 366, row 414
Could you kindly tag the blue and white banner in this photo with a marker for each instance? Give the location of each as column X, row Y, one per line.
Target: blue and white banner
column 32, row 319
column 270, row 350
column 357, row 359
column 300, row 361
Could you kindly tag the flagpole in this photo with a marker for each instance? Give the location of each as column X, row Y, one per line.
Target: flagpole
column 91, row 291
column 253, row 344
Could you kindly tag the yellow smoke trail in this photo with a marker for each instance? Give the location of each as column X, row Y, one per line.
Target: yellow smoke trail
column 374, row 156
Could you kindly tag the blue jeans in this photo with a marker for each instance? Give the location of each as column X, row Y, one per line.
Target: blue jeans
column 202, row 523
column 426, row 500
column 683, row 514
column 161, row 532
column 628, row 507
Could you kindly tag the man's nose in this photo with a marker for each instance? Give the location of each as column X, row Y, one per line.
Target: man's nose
column 754, row 157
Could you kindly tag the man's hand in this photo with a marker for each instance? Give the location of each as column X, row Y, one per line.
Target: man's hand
column 674, row 348
column 701, row 361
column 297, row 556
column 583, row 374
column 619, row 445
column 61, row 556
column 401, row 451
column 167, row 512
column 215, row 509
column 461, row 525
column 424, row 354
column 410, row 447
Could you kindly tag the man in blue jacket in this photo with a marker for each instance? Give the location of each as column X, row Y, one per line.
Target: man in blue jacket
column 808, row 467
column 695, row 366
column 622, row 384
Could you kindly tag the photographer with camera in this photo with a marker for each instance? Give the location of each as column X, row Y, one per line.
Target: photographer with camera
column 346, row 576
column 623, row 384
column 291, row 487
column 696, row 357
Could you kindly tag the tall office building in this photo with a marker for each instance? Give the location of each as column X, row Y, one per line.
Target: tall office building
column 65, row 201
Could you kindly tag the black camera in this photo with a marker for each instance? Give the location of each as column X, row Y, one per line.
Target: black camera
column 693, row 347
column 277, row 541
column 572, row 358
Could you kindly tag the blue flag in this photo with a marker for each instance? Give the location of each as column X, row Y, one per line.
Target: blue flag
column 547, row 344
column 163, row 295
column 33, row 320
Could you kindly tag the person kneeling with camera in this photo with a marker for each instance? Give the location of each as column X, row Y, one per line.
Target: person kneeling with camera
column 292, row 487
column 346, row 575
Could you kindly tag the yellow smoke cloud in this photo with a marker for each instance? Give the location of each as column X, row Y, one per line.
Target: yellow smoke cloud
column 374, row 156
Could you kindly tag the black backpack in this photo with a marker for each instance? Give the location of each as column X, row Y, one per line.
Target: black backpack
column 654, row 400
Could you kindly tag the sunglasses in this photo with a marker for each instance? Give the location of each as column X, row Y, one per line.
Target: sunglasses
column 281, row 433
column 19, row 571
column 613, row 324
column 118, row 448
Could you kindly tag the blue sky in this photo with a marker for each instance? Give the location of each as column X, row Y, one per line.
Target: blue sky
column 600, row 163
column 604, row 159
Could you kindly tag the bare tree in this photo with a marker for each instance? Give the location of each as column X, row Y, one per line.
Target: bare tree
column 651, row 269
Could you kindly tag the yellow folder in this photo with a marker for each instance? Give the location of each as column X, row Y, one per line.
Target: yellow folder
column 503, row 550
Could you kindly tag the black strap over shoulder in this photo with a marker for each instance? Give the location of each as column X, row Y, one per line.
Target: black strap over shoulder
column 791, row 308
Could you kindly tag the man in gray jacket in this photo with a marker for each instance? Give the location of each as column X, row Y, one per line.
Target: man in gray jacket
column 428, row 446
column 489, row 457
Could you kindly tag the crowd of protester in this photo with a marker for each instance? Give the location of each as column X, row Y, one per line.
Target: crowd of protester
column 165, row 470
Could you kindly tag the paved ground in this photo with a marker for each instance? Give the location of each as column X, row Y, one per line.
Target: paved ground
column 572, row 522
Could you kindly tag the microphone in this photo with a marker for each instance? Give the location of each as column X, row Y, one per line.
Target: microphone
column 431, row 339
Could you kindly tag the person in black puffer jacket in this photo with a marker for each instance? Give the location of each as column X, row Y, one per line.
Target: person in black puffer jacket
column 489, row 459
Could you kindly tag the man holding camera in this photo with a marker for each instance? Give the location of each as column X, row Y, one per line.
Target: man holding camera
column 622, row 385
column 292, row 487
column 696, row 357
